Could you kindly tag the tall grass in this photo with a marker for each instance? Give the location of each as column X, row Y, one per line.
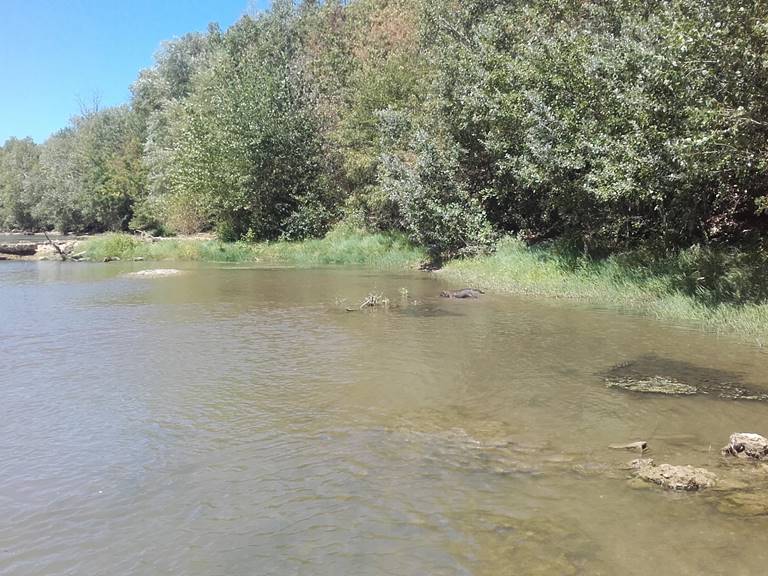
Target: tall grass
column 658, row 287
column 338, row 247
column 345, row 246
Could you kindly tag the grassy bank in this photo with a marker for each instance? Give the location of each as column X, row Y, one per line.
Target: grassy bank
column 712, row 290
column 680, row 289
column 339, row 247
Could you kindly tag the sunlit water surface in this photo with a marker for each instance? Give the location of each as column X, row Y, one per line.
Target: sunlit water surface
column 234, row 421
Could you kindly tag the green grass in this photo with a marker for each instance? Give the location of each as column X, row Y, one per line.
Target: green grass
column 338, row 247
column 656, row 289
column 345, row 247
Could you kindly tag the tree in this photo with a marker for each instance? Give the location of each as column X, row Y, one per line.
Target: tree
column 19, row 184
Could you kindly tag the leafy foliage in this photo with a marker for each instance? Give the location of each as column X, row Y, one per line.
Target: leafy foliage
column 607, row 126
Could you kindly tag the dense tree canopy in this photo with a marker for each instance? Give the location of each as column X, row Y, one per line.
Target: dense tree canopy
column 605, row 124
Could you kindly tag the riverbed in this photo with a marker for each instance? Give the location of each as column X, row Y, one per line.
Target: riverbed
column 236, row 420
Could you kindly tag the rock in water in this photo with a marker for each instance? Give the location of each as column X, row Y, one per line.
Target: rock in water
column 747, row 445
column 640, row 446
column 655, row 375
column 672, row 477
column 653, row 385
column 745, row 503
column 463, row 293
column 155, row 273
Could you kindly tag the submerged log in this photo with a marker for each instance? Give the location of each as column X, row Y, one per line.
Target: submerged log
column 19, row 249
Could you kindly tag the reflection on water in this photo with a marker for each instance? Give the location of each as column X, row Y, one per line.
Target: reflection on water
column 238, row 421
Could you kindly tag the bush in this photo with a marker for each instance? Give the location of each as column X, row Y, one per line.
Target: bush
column 435, row 210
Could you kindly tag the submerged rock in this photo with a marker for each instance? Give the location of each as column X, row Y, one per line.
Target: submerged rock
column 747, row 445
column 672, row 477
column 655, row 375
column 653, row 385
column 745, row 503
column 463, row 293
column 156, row 273
column 640, row 446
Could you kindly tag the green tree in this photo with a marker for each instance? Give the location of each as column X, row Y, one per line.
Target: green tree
column 19, row 184
column 250, row 151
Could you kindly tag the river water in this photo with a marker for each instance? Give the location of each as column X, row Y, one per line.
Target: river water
column 238, row 421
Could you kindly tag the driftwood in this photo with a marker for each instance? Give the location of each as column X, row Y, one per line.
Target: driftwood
column 52, row 243
column 19, row 249
column 146, row 236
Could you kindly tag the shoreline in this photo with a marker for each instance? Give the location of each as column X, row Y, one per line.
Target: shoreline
column 512, row 269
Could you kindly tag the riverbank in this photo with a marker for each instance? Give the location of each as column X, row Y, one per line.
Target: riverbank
column 340, row 247
column 706, row 291
column 674, row 290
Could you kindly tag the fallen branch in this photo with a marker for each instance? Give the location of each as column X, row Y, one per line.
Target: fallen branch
column 52, row 243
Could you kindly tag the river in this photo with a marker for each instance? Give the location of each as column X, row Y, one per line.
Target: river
column 237, row 420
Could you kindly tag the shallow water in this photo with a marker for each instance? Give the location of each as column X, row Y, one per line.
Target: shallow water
column 234, row 421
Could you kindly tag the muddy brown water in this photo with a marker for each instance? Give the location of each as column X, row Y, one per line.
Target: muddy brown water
column 233, row 420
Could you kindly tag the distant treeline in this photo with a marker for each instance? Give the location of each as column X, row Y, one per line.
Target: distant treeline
column 606, row 125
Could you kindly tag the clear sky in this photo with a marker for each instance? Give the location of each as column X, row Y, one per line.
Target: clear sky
column 57, row 53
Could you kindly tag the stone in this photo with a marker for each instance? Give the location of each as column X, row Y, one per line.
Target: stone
column 155, row 273
column 463, row 293
column 653, row 385
column 685, row 478
column 747, row 445
column 655, row 375
column 640, row 446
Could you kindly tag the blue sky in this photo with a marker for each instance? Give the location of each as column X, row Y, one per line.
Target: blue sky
column 57, row 53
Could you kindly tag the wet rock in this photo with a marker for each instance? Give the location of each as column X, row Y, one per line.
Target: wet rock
column 155, row 273
column 639, row 463
column 463, row 293
column 672, row 477
column 655, row 375
column 640, row 446
column 747, row 445
column 111, row 259
column 421, row 311
column 653, row 385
